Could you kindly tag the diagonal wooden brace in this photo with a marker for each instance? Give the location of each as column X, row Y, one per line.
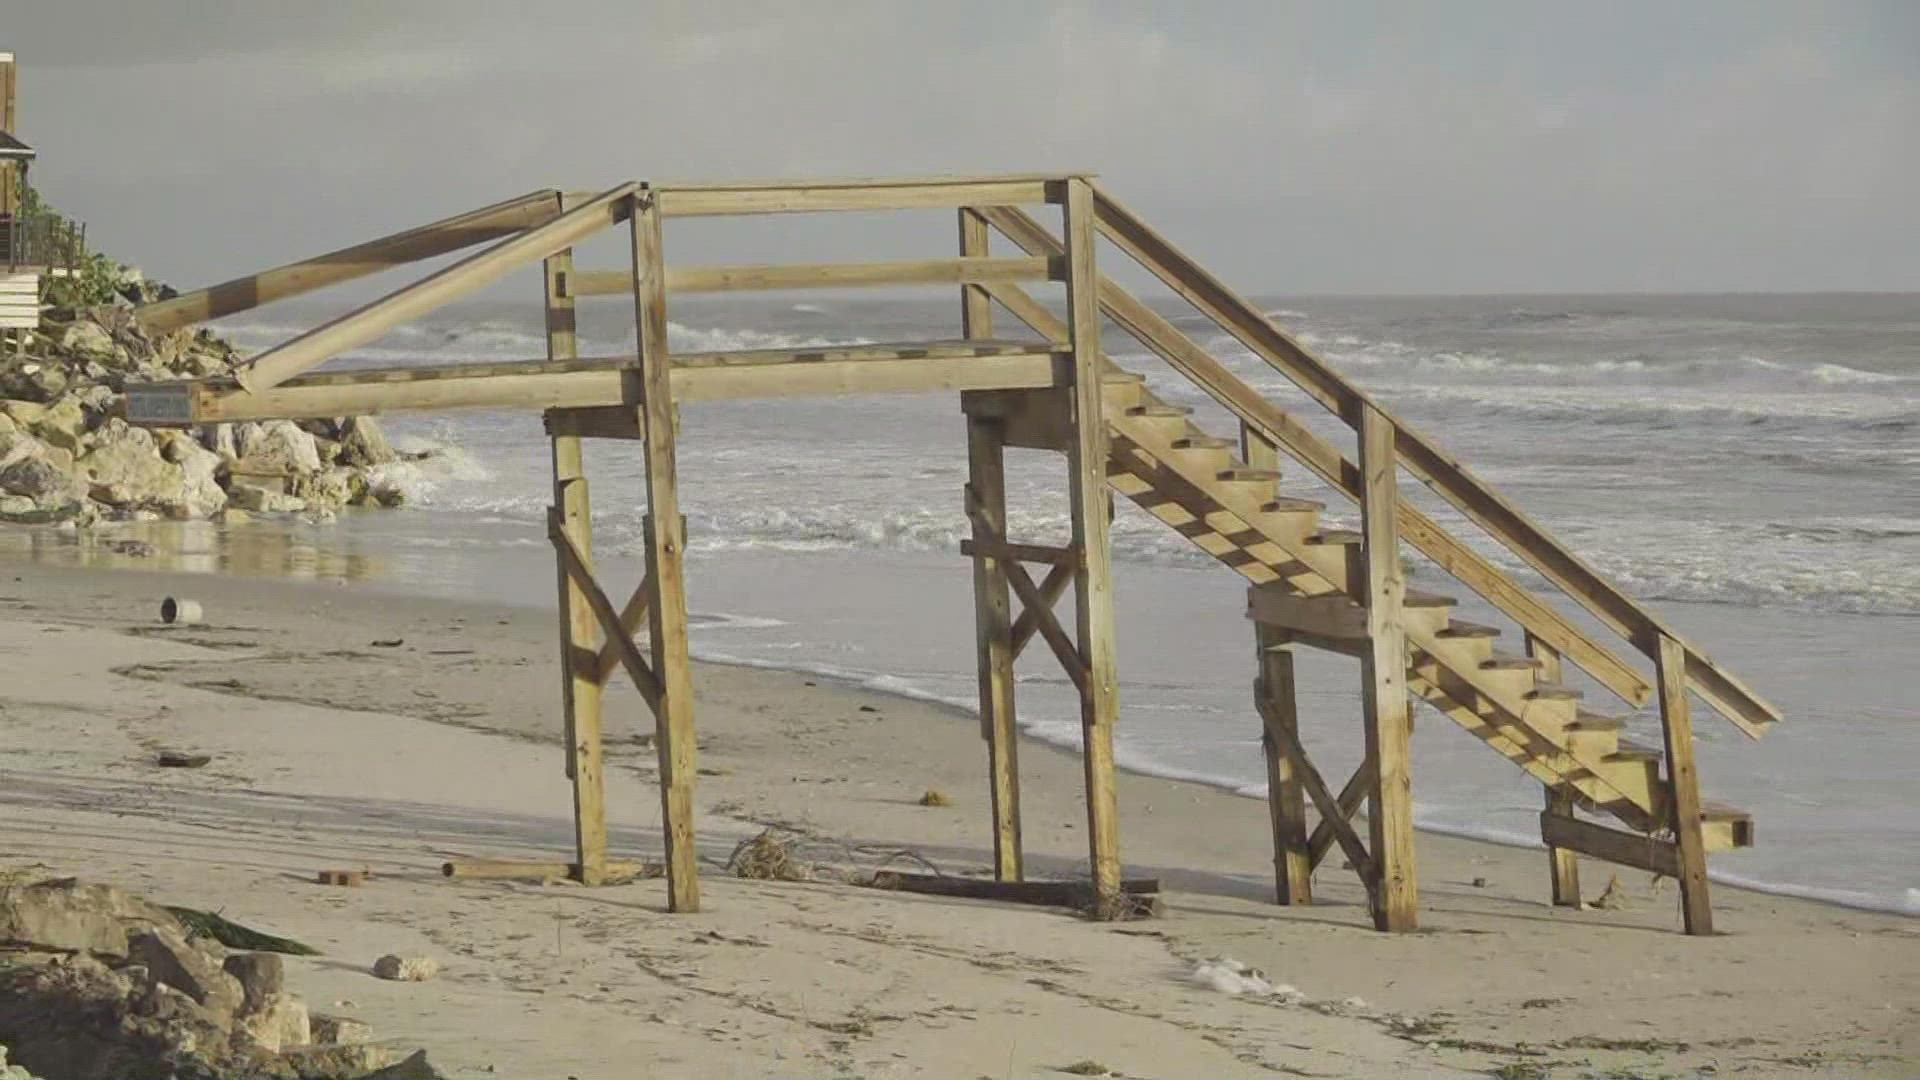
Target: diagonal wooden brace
column 1351, row 796
column 1323, row 800
column 1051, row 589
column 609, row 660
column 618, row 638
column 1037, row 605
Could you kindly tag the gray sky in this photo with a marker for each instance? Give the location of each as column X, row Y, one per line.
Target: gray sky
column 1330, row 147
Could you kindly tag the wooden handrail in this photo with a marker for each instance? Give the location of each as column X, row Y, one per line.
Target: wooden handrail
column 1438, row 470
column 1322, row 457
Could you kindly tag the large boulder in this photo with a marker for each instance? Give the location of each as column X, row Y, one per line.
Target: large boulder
column 62, row 423
column 33, row 477
column 253, row 497
column 187, row 966
column 200, row 494
column 87, row 338
column 276, row 448
column 362, row 443
column 67, row 916
column 125, row 469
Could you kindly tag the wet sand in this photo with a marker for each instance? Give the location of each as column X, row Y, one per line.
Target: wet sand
column 331, row 751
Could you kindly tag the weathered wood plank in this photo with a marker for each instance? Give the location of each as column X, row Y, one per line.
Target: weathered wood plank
column 1286, row 795
column 770, row 276
column 1563, row 865
column 1611, row 845
column 1093, row 580
column 993, row 635
column 1073, row 894
column 666, row 552
column 370, row 321
column 601, row 382
column 1332, row 615
column 1333, row 817
column 776, row 197
column 1683, row 789
column 645, row 680
column 1384, row 684
column 438, row 238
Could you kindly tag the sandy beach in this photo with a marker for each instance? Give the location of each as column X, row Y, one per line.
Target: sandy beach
column 330, row 751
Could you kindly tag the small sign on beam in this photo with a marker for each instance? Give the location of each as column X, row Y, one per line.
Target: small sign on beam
column 160, row 404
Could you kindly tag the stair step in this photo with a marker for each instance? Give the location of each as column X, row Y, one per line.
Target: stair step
column 1159, row 409
column 1634, row 751
column 1509, row 662
column 1292, row 506
column 1245, row 474
column 1121, row 376
column 1335, row 536
column 1552, row 692
column 1415, row 598
column 1460, row 628
column 1203, row 442
column 1596, row 722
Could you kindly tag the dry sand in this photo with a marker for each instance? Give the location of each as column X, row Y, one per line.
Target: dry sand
column 330, row 752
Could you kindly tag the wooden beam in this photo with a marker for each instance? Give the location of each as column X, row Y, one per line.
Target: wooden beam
column 1073, row 894
column 1064, row 650
column 666, row 554
column 580, row 689
column 1384, row 682
column 370, row 321
column 536, row 869
column 785, row 197
column 1034, row 553
column 1187, row 356
column 644, row 676
column 1612, row 845
column 438, row 238
column 1683, row 789
column 707, row 279
column 1333, row 615
column 594, row 422
column 1286, row 795
column 867, row 369
column 993, row 636
column 1093, row 579
column 1435, row 468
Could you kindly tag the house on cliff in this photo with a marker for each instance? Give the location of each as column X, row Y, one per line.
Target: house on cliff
column 34, row 243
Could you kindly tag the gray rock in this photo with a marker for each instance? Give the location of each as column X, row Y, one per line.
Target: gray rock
column 68, row 916
column 187, row 967
column 125, row 469
column 415, row 1067
column 262, row 976
column 342, row 1060
column 17, row 506
column 33, row 477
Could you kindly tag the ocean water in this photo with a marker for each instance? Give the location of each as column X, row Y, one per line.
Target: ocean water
column 1748, row 465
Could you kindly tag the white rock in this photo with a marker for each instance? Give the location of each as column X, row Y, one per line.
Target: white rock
column 277, row 446
column 406, row 968
column 340, row 1029
column 86, row 338
column 260, row 500
column 282, row 1024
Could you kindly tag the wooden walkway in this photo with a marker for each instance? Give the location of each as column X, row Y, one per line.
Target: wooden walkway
column 1055, row 389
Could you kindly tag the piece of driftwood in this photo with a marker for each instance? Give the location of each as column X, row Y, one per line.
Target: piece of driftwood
column 1144, row 892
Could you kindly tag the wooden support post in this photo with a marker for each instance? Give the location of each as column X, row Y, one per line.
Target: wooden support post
column 1286, row 799
column 1093, row 582
column 992, row 605
column 666, row 546
column 1286, row 796
column 1563, row 864
column 1384, row 688
column 1683, row 788
column 580, row 687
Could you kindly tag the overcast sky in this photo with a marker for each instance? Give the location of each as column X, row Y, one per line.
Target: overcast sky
column 1329, row 147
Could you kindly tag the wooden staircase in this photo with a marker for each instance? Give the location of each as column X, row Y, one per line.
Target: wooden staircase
column 1344, row 590
column 1204, row 490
